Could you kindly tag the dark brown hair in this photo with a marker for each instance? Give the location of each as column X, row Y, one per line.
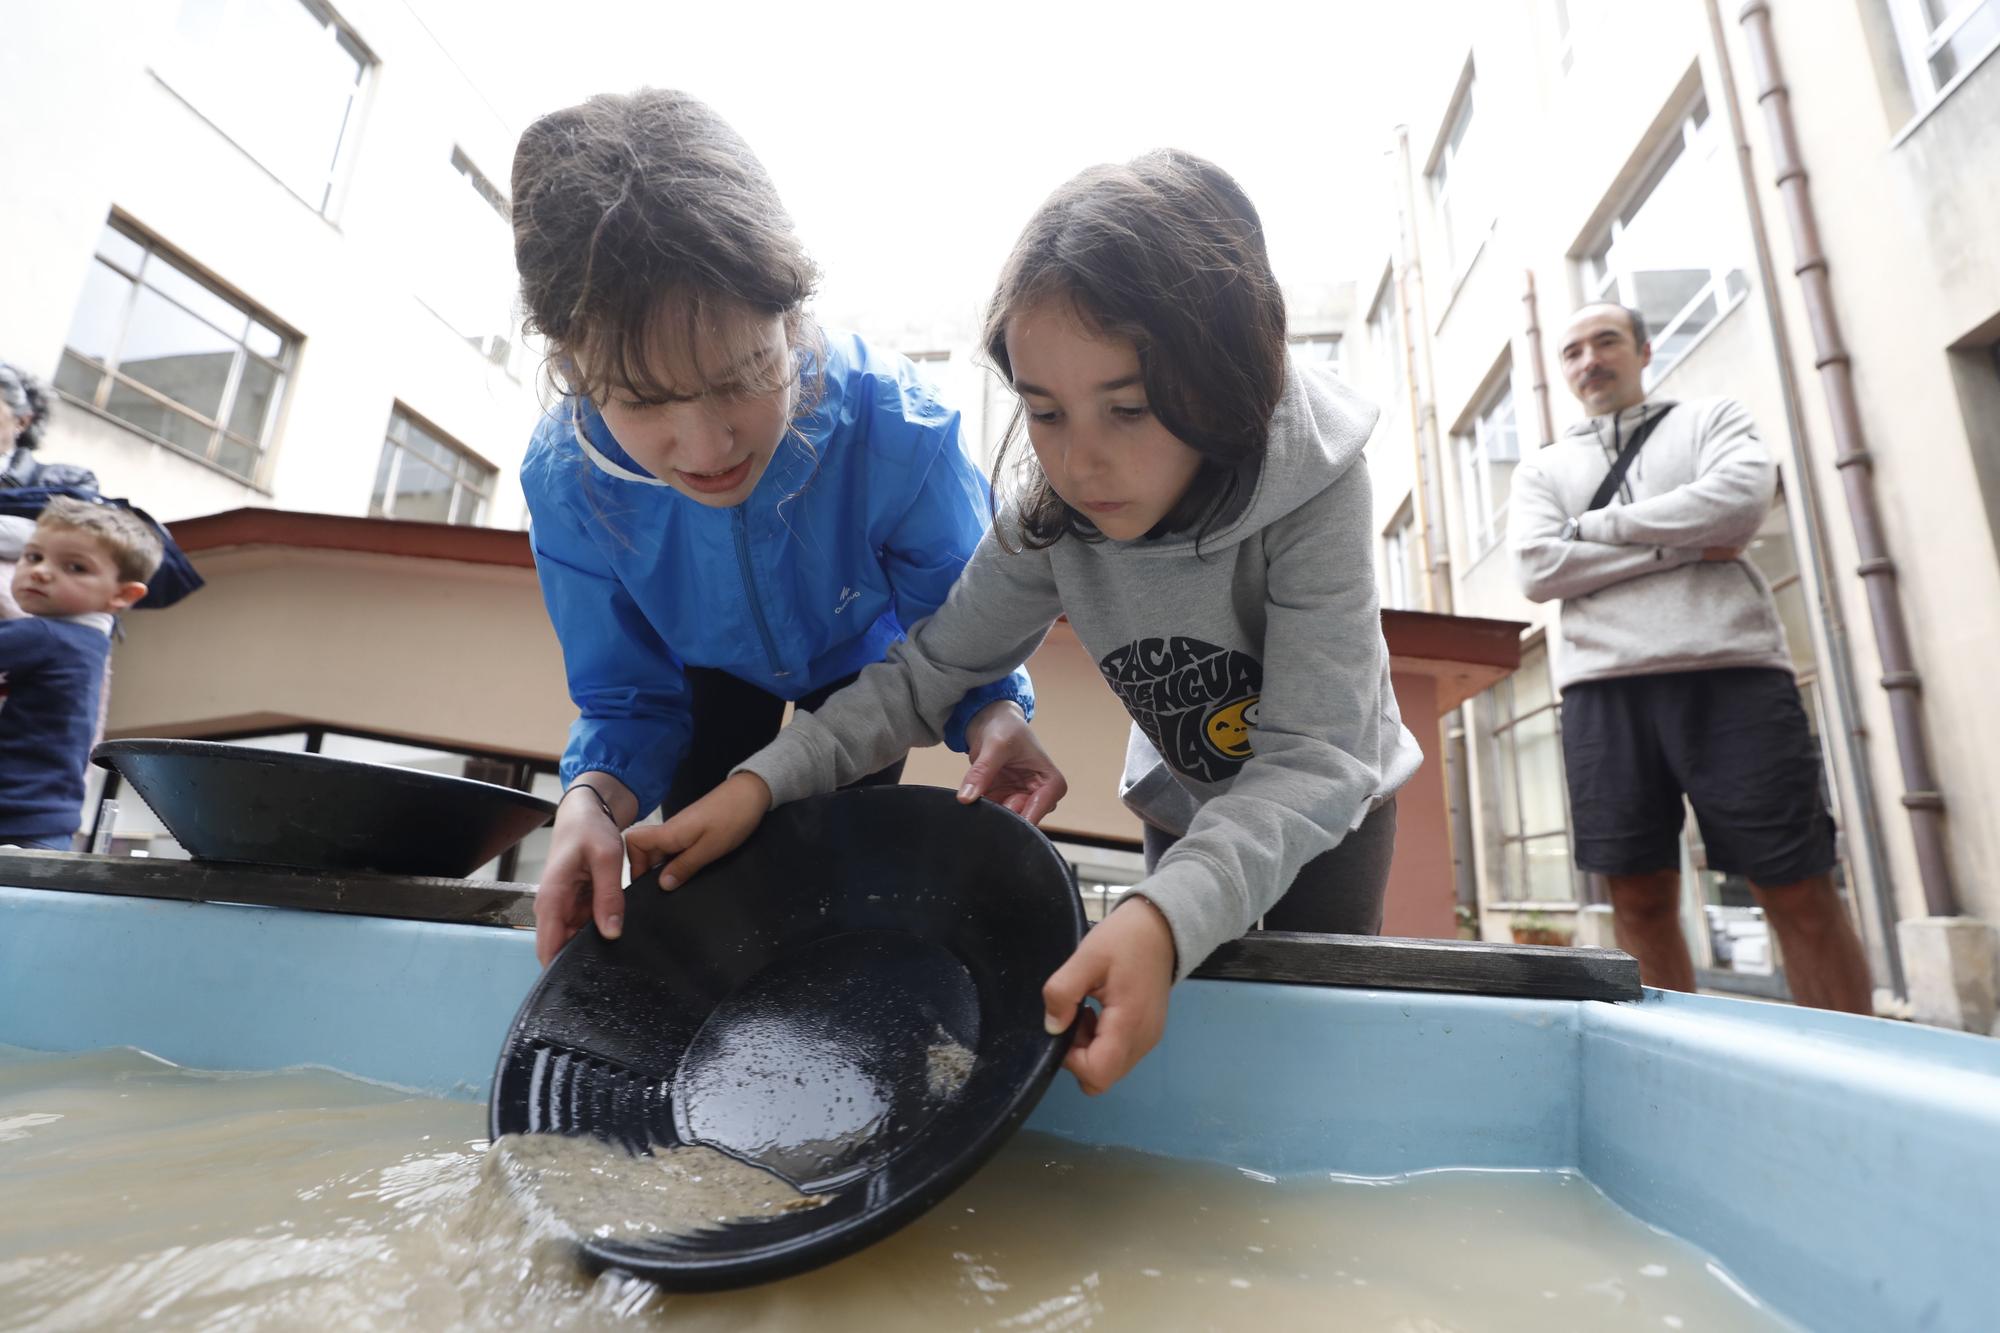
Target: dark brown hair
column 629, row 203
column 1165, row 250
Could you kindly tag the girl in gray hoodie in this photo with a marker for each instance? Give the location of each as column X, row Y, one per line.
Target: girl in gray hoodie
column 1197, row 506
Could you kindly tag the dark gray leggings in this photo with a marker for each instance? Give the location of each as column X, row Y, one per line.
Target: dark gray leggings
column 1336, row 893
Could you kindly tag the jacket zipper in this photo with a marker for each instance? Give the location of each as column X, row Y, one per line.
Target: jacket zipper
column 742, row 530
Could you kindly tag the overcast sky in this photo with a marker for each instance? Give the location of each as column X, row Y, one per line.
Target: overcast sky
column 911, row 141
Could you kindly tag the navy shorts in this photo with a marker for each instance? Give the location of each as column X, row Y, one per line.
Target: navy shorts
column 1734, row 741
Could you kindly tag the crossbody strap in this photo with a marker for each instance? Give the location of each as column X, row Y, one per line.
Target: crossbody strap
column 1616, row 477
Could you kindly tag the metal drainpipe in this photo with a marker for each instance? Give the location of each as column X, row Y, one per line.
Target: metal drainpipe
column 1420, row 511
column 1921, row 795
column 1437, row 572
column 1840, row 657
column 1420, row 506
column 1544, row 417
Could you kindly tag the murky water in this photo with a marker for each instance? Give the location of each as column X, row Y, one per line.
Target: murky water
column 581, row 1187
column 140, row 1195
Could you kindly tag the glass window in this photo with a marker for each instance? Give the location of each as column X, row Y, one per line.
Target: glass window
column 1943, row 40
column 1458, row 189
column 1775, row 557
column 166, row 353
column 481, row 186
column 282, row 78
column 1526, row 799
column 1487, row 456
column 1671, row 252
column 1385, row 343
column 465, row 274
column 424, row 476
column 1402, row 563
column 1323, row 348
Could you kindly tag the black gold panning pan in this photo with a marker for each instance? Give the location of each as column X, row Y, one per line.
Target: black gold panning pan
column 851, row 1000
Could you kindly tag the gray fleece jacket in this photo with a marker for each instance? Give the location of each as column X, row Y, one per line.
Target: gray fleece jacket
column 1254, row 670
column 1637, row 597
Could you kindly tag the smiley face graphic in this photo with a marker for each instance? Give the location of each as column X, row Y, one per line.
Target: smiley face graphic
column 1229, row 727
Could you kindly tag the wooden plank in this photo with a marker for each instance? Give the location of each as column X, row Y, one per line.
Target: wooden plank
column 1532, row 970
column 408, row 897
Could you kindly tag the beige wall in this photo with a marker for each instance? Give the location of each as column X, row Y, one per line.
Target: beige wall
column 436, row 651
column 1908, row 230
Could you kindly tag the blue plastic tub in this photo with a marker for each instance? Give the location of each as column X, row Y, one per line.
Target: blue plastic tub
column 1847, row 1170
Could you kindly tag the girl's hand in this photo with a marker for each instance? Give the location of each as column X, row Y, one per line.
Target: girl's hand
column 1127, row 962
column 580, row 879
column 1009, row 766
column 713, row 826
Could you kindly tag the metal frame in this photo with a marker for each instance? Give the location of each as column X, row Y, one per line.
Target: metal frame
column 111, row 372
column 1499, row 737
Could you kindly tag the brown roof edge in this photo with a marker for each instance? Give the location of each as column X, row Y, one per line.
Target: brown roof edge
column 342, row 532
column 1453, row 638
column 1417, row 634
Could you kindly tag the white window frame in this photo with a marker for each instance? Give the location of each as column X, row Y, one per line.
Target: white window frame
column 1480, row 450
column 1696, row 138
column 472, row 475
column 1921, row 37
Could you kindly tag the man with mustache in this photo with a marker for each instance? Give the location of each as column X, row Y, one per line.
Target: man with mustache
column 1672, row 664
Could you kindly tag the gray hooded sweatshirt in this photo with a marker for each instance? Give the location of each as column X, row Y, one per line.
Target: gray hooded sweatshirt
column 1254, row 669
column 1637, row 597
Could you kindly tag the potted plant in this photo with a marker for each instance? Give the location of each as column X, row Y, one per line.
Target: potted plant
column 1538, row 928
column 1468, row 922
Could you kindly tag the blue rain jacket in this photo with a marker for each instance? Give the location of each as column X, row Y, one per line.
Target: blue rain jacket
column 837, row 552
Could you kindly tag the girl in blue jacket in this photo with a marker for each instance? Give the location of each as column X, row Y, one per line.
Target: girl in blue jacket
column 730, row 509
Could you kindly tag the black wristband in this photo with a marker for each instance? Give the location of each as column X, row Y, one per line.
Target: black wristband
column 597, row 796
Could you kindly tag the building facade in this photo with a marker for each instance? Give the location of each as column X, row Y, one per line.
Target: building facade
column 1664, row 157
column 261, row 249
